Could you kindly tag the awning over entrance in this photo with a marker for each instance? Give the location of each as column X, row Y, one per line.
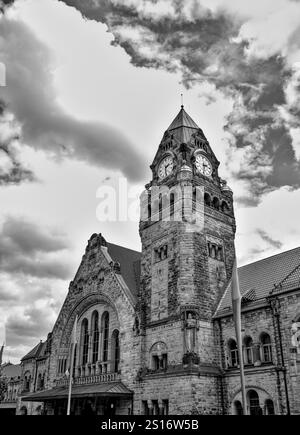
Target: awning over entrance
column 112, row 389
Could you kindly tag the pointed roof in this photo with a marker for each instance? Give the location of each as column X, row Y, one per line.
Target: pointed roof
column 183, row 119
column 183, row 126
column 36, row 352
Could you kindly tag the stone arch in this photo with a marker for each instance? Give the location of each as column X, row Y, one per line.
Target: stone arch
column 81, row 306
column 261, row 392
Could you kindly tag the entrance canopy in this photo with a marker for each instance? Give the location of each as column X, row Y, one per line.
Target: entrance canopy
column 112, row 389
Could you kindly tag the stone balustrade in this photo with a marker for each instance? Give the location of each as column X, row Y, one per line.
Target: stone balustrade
column 93, row 379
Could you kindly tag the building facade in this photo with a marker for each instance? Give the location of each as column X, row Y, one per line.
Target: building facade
column 10, row 379
column 154, row 330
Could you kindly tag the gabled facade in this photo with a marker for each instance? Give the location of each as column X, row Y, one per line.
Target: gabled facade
column 154, row 330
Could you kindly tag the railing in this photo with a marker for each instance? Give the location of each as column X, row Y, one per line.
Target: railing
column 93, row 379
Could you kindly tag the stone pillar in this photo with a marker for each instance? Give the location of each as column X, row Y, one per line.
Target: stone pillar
column 150, row 407
column 160, row 407
column 256, row 354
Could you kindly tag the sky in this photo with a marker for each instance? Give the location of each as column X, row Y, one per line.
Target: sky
column 90, row 88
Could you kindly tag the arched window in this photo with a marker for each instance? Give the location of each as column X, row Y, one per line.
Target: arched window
column 172, row 201
column 160, row 206
column 233, row 353
column 85, row 341
column 39, row 381
column 269, row 407
column 159, row 356
column 43, row 381
column 253, row 401
column 266, row 348
column 95, row 336
column 224, row 207
column 115, row 350
column 194, row 201
column 216, row 203
column 248, row 353
column 27, row 381
column 74, row 361
column 238, row 408
column 149, row 212
column 23, row 410
column 207, row 199
column 105, row 329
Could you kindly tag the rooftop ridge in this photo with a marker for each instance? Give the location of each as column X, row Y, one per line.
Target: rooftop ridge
column 267, row 258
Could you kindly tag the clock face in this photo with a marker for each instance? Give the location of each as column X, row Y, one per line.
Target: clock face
column 203, row 165
column 166, row 167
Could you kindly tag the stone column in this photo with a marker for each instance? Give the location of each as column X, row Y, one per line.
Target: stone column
column 160, row 407
column 256, row 354
column 150, row 407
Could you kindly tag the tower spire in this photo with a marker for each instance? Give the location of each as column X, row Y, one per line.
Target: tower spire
column 182, row 106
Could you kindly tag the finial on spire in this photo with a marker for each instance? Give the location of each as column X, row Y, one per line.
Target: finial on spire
column 182, row 106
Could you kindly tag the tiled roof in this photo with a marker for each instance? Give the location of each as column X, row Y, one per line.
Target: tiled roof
column 130, row 265
column 109, row 389
column 37, row 352
column 291, row 281
column 261, row 277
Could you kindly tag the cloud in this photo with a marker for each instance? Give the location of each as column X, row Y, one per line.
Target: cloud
column 31, row 103
column 270, row 227
column 27, row 249
column 237, row 50
column 4, row 4
column 29, row 326
column 12, row 171
column 266, row 238
column 28, row 307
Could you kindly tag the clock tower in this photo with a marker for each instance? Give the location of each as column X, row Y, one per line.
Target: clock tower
column 187, row 230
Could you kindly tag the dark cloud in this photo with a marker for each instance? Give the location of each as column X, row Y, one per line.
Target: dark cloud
column 30, row 98
column 12, row 171
column 4, row 4
column 28, row 327
column 268, row 239
column 206, row 47
column 26, row 249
